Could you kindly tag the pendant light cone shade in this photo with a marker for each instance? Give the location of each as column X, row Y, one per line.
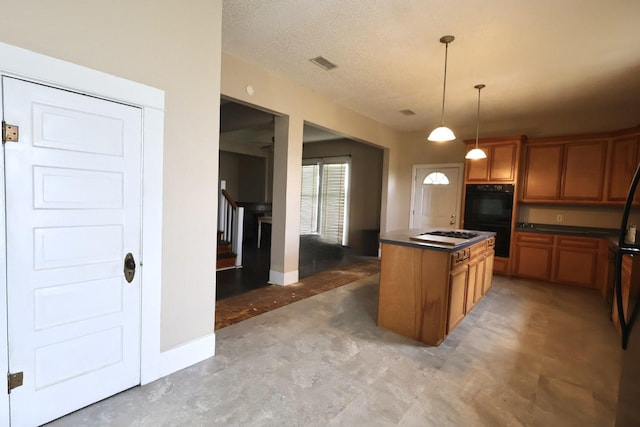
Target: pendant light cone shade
column 477, row 153
column 443, row 133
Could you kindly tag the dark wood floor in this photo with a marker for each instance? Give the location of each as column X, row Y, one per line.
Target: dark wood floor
column 315, row 257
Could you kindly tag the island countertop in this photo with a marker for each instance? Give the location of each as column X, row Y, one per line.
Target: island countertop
column 426, row 289
column 403, row 237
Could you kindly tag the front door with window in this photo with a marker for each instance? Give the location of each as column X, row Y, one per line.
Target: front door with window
column 73, row 211
column 436, row 191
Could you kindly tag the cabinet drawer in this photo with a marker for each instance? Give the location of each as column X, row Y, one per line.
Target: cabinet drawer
column 540, row 239
column 578, row 242
column 459, row 257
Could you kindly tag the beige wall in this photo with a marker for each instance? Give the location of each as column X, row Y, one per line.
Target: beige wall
column 229, row 169
column 176, row 49
column 416, row 150
column 579, row 216
column 284, row 97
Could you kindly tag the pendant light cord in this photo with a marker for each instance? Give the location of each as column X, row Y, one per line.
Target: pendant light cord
column 444, row 86
column 478, row 119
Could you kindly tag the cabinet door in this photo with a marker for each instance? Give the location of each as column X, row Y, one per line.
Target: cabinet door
column 503, row 162
column 584, row 165
column 622, row 165
column 533, row 261
column 478, row 170
column 488, row 272
column 543, row 168
column 576, row 261
column 457, row 296
column 474, row 282
column 576, row 267
column 534, row 254
column 626, row 285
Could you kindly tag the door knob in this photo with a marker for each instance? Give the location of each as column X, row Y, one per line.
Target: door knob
column 129, row 267
column 453, row 220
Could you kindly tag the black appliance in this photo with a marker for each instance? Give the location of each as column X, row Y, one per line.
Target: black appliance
column 627, row 413
column 489, row 207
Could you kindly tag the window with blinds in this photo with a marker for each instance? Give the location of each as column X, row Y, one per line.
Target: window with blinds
column 310, row 195
column 324, row 199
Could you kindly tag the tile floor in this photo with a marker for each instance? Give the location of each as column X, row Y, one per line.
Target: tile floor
column 529, row 354
column 244, row 306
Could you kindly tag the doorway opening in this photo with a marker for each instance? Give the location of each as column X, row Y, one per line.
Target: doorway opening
column 349, row 232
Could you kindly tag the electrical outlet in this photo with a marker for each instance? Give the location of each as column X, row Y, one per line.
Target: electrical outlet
column 559, row 218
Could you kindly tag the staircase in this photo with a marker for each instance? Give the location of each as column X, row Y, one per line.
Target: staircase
column 230, row 222
column 225, row 258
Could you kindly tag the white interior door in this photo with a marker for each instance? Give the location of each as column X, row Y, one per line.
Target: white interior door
column 436, row 196
column 73, row 197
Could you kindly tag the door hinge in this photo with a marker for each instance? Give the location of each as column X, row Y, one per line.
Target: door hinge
column 14, row 380
column 9, row 132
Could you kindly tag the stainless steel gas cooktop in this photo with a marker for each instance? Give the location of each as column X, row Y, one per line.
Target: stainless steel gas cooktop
column 446, row 237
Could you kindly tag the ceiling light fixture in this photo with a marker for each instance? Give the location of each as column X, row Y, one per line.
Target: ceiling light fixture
column 443, row 133
column 323, row 63
column 477, row 153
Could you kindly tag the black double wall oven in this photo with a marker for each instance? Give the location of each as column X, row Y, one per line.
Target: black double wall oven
column 489, row 207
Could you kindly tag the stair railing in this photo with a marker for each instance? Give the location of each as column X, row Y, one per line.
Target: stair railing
column 230, row 221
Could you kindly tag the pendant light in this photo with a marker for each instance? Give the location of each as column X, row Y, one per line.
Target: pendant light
column 477, row 153
column 443, row 133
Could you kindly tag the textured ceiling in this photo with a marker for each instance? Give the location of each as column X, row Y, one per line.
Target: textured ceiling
column 550, row 66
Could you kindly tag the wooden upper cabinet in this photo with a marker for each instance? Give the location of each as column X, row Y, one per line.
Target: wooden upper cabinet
column 623, row 160
column 501, row 164
column 543, row 171
column 478, row 170
column 583, row 171
column 565, row 170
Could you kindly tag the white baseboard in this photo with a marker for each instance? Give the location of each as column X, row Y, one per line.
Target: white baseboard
column 187, row 354
column 279, row 278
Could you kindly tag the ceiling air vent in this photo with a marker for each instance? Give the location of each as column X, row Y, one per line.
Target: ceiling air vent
column 407, row 113
column 323, row 63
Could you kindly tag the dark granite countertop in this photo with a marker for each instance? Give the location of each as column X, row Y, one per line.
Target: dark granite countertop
column 568, row 230
column 403, row 238
column 611, row 234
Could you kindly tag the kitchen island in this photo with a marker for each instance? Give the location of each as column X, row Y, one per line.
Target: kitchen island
column 429, row 282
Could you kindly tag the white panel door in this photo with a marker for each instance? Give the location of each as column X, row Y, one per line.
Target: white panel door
column 73, row 197
column 436, row 202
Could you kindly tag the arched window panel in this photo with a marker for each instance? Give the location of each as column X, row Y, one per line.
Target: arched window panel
column 436, row 178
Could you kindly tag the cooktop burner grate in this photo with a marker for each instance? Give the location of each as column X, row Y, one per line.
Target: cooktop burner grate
column 454, row 234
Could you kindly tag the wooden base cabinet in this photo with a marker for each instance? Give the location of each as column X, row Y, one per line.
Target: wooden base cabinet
column 458, row 296
column 577, row 261
column 630, row 272
column 424, row 294
column 489, row 258
column 534, row 255
column 571, row 260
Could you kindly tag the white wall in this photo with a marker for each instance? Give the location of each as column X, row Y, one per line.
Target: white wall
column 177, row 49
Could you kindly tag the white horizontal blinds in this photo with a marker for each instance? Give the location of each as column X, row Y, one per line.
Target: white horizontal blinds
column 309, row 199
column 334, row 201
